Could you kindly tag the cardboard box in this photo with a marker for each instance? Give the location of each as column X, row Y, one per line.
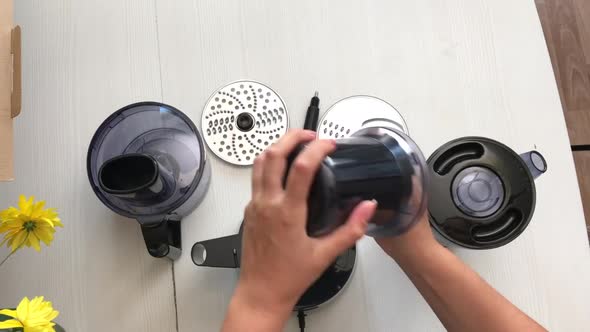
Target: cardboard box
column 10, row 86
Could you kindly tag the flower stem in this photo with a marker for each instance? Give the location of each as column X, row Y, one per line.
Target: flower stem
column 7, row 257
column 15, row 250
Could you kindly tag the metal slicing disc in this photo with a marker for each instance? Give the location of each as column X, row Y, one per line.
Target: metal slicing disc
column 350, row 114
column 242, row 119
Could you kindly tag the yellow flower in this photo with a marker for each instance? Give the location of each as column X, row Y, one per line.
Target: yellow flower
column 28, row 224
column 34, row 316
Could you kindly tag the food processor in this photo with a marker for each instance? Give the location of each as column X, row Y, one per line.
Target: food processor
column 147, row 162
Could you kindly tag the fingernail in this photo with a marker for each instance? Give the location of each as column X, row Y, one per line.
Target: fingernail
column 375, row 201
column 310, row 133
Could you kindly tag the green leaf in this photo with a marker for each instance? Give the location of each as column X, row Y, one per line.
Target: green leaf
column 3, row 318
column 57, row 327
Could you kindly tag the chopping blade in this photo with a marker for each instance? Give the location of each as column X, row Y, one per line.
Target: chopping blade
column 242, row 119
column 351, row 114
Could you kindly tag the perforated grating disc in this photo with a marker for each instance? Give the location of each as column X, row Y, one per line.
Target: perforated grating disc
column 350, row 114
column 242, row 119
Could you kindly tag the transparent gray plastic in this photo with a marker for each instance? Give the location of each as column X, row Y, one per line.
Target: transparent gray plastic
column 148, row 131
column 375, row 163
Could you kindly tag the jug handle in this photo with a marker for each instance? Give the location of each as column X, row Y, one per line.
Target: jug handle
column 163, row 239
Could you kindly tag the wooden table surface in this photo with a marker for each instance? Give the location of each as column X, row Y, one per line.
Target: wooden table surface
column 453, row 68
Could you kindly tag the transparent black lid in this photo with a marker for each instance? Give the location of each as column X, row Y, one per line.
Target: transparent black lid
column 151, row 138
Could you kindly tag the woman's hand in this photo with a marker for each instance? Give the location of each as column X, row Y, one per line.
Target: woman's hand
column 404, row 246
column 418, row 238
column 450, row 287
column 279, row 260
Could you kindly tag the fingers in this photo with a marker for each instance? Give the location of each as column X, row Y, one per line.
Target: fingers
column 305, row 167
column 257, row 172
column 275, row 160
column 346, row 235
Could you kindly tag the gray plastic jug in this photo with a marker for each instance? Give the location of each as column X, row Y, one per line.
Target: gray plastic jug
column 147, row 161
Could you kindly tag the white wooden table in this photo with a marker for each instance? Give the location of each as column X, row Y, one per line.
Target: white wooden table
column 453, row 68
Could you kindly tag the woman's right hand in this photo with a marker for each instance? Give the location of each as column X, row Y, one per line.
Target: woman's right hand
column 417, row 238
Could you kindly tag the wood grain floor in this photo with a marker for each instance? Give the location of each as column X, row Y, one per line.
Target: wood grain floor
column 582, row 160
column 566, row 25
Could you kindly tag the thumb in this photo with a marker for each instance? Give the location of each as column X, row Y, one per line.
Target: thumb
column 346, row 235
